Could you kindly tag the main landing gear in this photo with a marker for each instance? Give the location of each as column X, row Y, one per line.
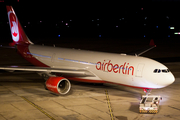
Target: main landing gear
column 147, row 91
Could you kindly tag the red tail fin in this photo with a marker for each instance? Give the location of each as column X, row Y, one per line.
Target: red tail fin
column 18, row 34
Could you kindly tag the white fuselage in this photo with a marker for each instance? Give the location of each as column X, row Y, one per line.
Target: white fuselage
column 126, row 70
column 97, row 67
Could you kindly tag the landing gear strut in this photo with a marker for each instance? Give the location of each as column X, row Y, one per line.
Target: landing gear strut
column 147, row 91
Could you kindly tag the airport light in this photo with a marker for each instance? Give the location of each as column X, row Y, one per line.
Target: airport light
column 172, row 28
column 177, row 33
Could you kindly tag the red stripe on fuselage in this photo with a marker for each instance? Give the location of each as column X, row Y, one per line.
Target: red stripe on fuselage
column 130, row 86
column 23, row 50
column 85, row 80
column 101, row 81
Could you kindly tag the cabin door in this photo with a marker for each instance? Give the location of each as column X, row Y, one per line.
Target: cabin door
column 53, row 59
column 139, row 70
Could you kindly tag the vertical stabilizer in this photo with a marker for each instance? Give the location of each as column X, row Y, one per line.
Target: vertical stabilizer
column 17, row 32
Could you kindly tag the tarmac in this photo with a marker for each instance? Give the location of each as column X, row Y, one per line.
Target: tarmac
column 23, row 97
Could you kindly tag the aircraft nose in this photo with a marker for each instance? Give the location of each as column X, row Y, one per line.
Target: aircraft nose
column 171, row 78
column 168, row 79
column 161, row 80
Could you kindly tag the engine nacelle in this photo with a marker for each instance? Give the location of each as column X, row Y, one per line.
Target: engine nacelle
column 58, row 85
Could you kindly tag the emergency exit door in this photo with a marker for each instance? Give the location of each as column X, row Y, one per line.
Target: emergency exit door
column 53, row 59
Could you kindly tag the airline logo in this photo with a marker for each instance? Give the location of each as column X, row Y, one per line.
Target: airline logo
column 116, row 68
column 14, row 26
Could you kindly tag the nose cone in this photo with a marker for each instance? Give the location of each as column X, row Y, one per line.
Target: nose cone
column 167, row 80
column 170, row 79
column 161, row 80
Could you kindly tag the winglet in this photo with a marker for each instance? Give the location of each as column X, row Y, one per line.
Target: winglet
column 152, row 43
column 151, row 46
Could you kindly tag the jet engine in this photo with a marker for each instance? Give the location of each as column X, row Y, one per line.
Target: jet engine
column 59, row 85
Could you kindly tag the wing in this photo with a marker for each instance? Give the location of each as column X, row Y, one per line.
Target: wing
column 68, row 71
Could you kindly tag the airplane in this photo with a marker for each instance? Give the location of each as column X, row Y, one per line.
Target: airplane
column 59, row 66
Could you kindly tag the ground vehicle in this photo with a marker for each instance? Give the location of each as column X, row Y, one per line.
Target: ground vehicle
column 149, row 104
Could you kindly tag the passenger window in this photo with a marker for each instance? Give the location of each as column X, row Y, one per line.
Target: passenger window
column 159, row 71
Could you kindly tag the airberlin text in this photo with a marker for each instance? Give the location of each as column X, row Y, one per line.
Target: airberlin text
column 116, row 68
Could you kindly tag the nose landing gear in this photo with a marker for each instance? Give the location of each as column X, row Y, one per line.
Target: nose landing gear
column 149, row 103
column 147, row 91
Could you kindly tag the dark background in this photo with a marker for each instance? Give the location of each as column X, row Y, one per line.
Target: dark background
column 90, row 19
column 112, row 26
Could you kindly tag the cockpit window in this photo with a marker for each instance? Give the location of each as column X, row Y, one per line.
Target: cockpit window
column 165, row 71
column 161, row 70
column 155, row 71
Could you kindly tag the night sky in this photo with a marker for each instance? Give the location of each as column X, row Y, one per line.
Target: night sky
column 92, row 19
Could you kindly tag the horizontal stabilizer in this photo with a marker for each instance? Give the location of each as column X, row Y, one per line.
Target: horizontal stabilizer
column 12, row 47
